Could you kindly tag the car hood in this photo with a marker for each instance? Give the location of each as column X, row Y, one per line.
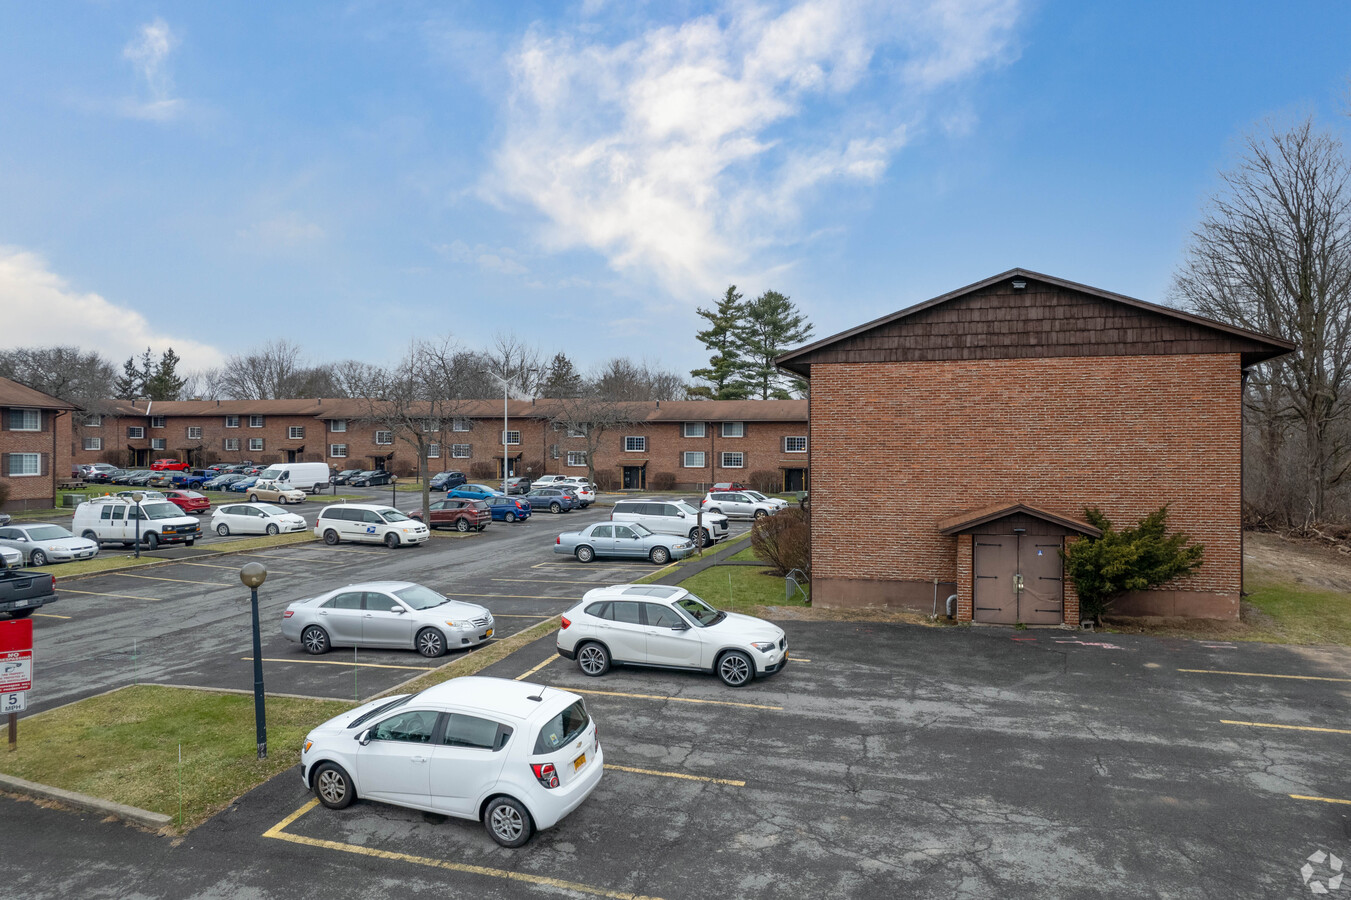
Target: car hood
column 70, row 543
column 747, row 628
column 455, row 609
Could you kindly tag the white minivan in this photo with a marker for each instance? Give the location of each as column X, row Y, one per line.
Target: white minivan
column 306, row 476
column 114, row 520
column 369, row 524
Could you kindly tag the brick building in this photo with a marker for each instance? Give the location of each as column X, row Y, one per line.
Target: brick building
column 992, row 417
column 35, row 445
column 688, row 444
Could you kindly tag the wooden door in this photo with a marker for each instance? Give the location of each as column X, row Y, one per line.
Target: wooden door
column 1041, row 600
column 994, row 563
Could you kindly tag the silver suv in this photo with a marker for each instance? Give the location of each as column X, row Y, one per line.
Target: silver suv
column 671, row 517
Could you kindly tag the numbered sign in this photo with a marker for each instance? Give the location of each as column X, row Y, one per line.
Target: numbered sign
column 13, row 702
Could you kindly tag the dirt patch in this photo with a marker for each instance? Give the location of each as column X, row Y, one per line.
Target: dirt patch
column 1296, row 560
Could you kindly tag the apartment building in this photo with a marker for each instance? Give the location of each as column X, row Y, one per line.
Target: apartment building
column 35, row 445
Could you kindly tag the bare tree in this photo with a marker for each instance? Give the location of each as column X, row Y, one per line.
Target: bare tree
column 1273, row 254
column 623, row 379
column 81, row 377
column 353, row 378
column 270, row 372
column 589, row 418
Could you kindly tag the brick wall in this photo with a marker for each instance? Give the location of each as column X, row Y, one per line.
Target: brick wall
column 52, row 444
column 1126, row 434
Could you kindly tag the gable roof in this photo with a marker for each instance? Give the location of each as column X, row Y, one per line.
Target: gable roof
column 1048, row 316
column 965, row 521
column 12, row 393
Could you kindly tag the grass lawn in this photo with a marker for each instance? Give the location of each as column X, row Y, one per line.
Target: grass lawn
column 123, row 746
column 746, row 554
column 1292, row 613
column 739, row 588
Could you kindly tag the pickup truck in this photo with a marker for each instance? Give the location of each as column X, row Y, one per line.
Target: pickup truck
column 22, row 591
column 191, row 481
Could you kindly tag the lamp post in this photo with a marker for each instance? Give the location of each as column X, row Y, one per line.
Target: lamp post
column 253, row 575
column 506, row 383
column 137, row 497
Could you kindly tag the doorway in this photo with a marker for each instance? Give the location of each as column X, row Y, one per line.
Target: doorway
column 794, row 480
column 635, row 478
column 1017, row 578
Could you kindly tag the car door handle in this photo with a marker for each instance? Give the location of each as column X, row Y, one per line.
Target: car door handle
column 323, row 612
column 418, row 759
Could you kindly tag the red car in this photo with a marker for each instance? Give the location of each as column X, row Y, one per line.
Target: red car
column 460, row 513
column 169, row 465
column 188, row 501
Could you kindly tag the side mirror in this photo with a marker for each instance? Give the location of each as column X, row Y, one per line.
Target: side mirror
column 680, row 627
column 364, row 737
column 397, row 609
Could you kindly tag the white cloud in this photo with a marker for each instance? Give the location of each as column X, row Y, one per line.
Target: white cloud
column 41, row 309
column 687, row 151
column 491, row 259
column 149, row 53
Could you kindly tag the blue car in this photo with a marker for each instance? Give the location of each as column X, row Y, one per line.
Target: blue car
column 475, row 492
column 242, row 484
column 555, row 500
column 509, row 509
column 446, row 481
column 191, row 481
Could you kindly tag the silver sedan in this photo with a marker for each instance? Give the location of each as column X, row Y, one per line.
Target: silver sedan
column 628, row 539
column 44, row 543
column 389, row 614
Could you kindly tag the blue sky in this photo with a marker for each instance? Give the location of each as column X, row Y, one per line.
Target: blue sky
column 583, row 175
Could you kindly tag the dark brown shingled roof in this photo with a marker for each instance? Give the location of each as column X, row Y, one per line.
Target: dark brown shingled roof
column 969, row 519
column 12, row 393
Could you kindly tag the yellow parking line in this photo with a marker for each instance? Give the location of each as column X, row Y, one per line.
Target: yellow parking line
column 1320, row 799
column 1265, row 675
column 175, row 580
column 548, row 581
column 278, row 832
column 293, row 558
column 730, row 781
column 1290, row 727
column 536, row 669
column 51, row 616
column 335, row 662
column 102, row 594
column 576, row 690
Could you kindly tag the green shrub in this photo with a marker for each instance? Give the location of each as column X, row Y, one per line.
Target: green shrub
column 1132, row 559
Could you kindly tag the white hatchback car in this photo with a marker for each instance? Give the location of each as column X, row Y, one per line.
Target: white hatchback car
column 659, row 625
column 255, row 518
column 516, row 756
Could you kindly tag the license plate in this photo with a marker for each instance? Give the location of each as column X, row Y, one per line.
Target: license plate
column 488, row 633
column 579, row 762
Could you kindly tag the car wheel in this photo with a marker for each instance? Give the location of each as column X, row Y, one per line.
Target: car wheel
column 20, row 613
column 37, row 558
column 90, row 536
column 508, row 821
column 735, row 668
column 282, row 499
column 223, row 530
column 511, row 517
column 430, row 643
column 701, row 537
column 272, row 529
column 715, row 510
column 593, row 659
column 760, row 513
column 555, row 507
column 333, row 786
column 462, row 525
column 315, row 640
column 660, row 555
column 391, row 540
column 151, row 541
column 330, row 537
column 585, row 554
column 253, row 498
column 189, row 542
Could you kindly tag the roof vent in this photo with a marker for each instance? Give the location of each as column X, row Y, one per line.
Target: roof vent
column 1019, row 284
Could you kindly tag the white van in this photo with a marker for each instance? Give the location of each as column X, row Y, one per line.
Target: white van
column 114, row 520
column 369, row 524
column 305, row 476
column 671, row 517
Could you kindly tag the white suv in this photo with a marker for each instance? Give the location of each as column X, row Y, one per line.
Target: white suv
column 659, row 625
column 369, row 524
column 513, row 755
column 739, row 504
column 585, row 490
column 671, row 517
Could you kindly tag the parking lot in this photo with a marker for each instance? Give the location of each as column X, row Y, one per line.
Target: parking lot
column 886, row 760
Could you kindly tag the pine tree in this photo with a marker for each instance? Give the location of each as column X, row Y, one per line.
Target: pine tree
column 164, row 383
column 562, row 380
column 725, row 365
column 771, row 325
column 131, row 384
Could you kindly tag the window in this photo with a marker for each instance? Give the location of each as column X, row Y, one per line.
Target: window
column 412, row 727
column 337, row 450
column 93, row 443
column 794, row 445
column 232, row 443
column 255, row 443
column 25, row 464
column 157, row 421
column 255, row 421
column 337, row 425
column 635, row 444
column 93, row 421
column 460, row 451
column 734, row 460
column 694, row 429
column 602, row 531
column 194, row 432
column 460, row 424
column 476, row 733
column 25, row 420
column 430, row 426
column 384, row 437
column 576, row 431
column 157, row 443
column 295, row 433
column 692, row 459
column 232, row 421
column 733, row 429
column 659, row 616
column 511, row 437
column 576, row 457
column 135, row 432
column 433, row 451
column 563, row 728
column 553, row 451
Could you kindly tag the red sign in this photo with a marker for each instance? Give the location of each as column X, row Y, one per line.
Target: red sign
column 16, row 655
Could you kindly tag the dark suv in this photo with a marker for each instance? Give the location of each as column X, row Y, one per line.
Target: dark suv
column 447, row 481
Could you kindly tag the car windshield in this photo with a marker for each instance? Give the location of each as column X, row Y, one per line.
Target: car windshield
column 419, row 597
column 268, row 509
column 699, row 611
column 367, row 716
column 48, row 533
column 638, row 529
column 392, row 515
column 685, row 507
column 161, row 511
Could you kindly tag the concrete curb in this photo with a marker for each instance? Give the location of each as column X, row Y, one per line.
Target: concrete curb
column 83, row 801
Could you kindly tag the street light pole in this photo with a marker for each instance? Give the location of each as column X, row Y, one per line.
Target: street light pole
column 137, row 497
column 253, row 575
column 506, row 383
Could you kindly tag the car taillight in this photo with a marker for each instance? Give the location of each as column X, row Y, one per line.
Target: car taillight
column 53, row 577
column 546, row 774
column 566, row 621
column 288, row 614
column 559, row 539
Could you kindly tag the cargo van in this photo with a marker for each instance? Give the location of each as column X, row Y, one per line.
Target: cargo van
column 114, row 520
column 305, row 476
